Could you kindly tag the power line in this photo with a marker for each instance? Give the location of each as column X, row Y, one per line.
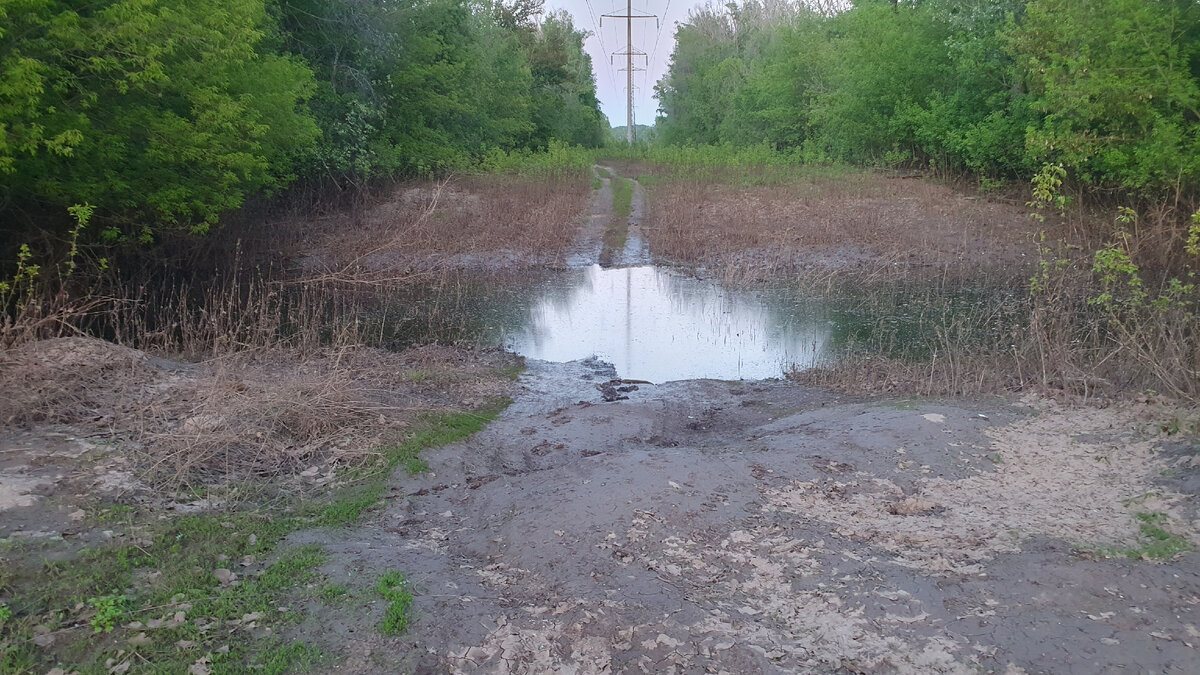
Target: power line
column 600, row 36
column 654, row 50
column 629, row 53
column 658, row 35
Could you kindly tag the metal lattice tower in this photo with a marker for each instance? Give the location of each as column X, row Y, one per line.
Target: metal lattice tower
column 629, row 53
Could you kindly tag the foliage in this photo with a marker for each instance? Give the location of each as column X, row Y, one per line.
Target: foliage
column 1047, row 191
column 164, row 116
column 558, row 159
column 167, row 113
column 1108, row 91
column 110, row 610
column 1115, row 88
column 394, row 588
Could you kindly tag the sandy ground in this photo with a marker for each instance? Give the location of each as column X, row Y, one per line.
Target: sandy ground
column 708, row 526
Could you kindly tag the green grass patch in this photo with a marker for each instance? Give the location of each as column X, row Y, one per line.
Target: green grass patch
column 332, row 594
column 617, row 232
column 622, row 198
column 394, row 588
column 1157, row 543
column 162, row 591
column 746, row 166
column 286, row 658
column 207, row 566
column 350, row 503
column 512, row 371
column 438, row 429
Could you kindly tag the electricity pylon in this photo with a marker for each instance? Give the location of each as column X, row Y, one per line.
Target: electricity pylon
column 629, row 53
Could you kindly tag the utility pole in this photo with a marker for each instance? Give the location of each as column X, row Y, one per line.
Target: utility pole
column 629, row 132
column 629, row 53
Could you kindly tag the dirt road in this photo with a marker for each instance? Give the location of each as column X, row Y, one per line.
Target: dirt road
column 709, row 526
column 712, row 526
column 601, row 525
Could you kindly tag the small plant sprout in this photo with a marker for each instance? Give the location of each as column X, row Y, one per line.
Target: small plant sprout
column 110, row 609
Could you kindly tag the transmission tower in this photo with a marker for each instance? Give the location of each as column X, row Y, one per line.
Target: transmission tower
column 629, row 53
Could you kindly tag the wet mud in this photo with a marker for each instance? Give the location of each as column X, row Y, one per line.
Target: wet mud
column 709, row 526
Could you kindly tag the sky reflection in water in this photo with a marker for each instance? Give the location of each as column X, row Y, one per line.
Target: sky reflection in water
column 658, row 325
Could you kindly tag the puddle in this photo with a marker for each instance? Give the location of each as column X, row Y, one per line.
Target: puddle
column 657, row 324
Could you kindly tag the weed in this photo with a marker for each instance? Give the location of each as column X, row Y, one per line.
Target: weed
column 350, row 505
column 615, row 235
column 622, row 198
column 513, row 371
column 281, row 658
column 295, row 568
column 1157, row 543
column 333, row 593
column 393, row 587
column 438, row 429
column 110, row 610
column 558, row 158
column 1160, row 544
column 415, row 465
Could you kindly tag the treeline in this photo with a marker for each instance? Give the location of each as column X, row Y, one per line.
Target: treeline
column 1000, row 88
column 166, row 114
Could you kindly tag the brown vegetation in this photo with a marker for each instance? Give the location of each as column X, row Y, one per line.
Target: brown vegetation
column 251, row 413
column 1044, row 322
column 271, row 323
column 862, row 222
column 478, row 223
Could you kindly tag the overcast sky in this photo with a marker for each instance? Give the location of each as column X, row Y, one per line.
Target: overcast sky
column 656, row 42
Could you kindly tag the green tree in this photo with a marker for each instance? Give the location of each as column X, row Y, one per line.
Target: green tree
column 161, row 114
column 1116, row 85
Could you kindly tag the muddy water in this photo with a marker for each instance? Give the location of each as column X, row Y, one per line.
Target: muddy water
column 658, row 324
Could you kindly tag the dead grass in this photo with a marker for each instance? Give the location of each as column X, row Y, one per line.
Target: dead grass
column 865, row 223
column 482, row 223
column 253, row 413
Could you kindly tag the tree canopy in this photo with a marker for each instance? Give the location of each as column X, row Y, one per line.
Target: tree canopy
column 999, row 87
column 166, row 114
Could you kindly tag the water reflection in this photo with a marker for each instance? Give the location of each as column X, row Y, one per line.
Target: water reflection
column 655, row 324
column 659, row 325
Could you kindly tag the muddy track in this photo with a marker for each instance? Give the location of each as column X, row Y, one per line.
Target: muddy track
column 708, row 526
column 749, row 527
column 605, row 239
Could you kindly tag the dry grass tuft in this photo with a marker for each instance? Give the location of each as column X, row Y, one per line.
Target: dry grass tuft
column 254, row 413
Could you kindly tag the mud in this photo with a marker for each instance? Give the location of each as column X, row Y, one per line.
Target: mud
column 706, row 526
column 602, row 525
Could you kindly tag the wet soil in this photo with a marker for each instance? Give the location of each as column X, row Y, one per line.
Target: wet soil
column 760, row 526
column 718, row 526
column 707, row 526
column 600, row 229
